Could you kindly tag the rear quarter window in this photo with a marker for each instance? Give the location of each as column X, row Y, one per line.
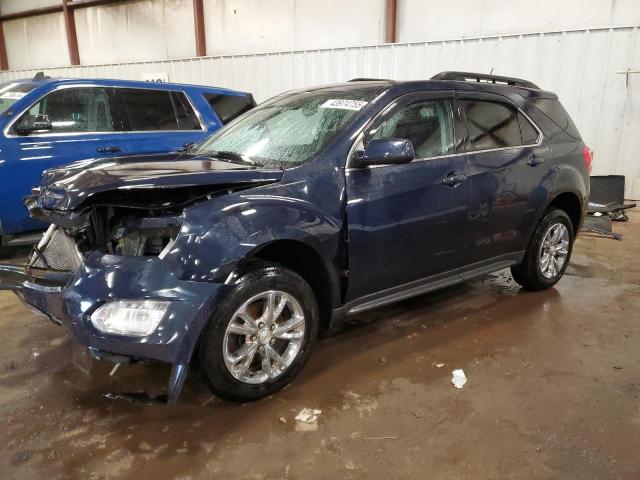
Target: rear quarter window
column 228, row 107
column 553, row 109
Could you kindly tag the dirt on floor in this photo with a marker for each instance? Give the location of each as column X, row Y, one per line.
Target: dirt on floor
column 553, row 392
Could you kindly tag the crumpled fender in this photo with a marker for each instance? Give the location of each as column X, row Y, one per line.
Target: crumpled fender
column 218, row 234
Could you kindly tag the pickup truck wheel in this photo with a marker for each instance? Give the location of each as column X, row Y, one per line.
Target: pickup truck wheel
column 262, row 335
column 547, row 257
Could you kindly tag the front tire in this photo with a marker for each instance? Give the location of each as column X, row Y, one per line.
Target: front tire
column 262, row 335
column 548, row 254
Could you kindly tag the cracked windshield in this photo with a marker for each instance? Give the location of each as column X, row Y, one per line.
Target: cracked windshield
column 289, row 131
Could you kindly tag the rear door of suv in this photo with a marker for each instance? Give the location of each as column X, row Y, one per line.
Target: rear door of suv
column 157, row 120
column 506, row 156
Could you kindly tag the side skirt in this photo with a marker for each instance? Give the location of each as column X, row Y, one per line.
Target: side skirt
column 422, row 286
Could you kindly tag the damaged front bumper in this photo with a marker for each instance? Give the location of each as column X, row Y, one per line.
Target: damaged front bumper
column 69, row 299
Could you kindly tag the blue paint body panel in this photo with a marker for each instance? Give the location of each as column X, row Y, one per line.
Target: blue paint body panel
column 24, row 158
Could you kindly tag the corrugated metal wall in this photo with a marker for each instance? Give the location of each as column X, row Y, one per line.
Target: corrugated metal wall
column 580, row 65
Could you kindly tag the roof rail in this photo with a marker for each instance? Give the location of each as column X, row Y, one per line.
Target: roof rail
column 368, row 80
column 40, row 76
column 484, row 78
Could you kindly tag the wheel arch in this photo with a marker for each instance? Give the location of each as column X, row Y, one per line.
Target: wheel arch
column 307, row 262
column 570, row 203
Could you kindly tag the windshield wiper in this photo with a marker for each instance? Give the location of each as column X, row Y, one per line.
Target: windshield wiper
column 232, row 156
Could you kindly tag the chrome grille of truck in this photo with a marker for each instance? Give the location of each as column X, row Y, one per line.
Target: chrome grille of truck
column 56, row 251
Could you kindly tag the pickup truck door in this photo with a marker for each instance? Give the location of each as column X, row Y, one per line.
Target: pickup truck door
column 406, row 223
column 77, row 123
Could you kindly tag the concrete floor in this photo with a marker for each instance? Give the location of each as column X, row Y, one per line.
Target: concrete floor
column 553, row 392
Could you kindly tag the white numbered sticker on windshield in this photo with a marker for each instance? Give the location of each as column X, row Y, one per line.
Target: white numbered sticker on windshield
column 13, row 95
column 344, row 104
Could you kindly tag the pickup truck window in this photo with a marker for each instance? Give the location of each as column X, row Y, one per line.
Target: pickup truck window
column 228, row 107
column 291, row 130
column 69, row 110
column 154, row 110
column 427, row 124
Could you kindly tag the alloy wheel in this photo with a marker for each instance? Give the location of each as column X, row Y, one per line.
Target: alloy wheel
column 264, row 337
column 554, row 250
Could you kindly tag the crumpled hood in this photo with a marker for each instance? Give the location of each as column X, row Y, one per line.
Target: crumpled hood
column 139, row 180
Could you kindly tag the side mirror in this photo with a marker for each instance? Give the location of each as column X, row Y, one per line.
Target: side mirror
column 187, row 147
column 33, row 123
column 384, row 151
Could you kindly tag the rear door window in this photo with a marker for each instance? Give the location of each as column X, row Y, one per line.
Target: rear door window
column 228, row 107
column 491, row 125
column 186, row 115
column 71, row 110
column 527, row 130
column 148, row 110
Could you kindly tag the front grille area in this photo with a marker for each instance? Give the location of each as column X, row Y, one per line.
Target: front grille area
column 56, row 251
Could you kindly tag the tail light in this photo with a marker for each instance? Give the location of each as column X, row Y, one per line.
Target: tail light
column 587, row 155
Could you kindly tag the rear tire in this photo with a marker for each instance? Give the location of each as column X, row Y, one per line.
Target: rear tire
column 548, row 254
column 250, row 350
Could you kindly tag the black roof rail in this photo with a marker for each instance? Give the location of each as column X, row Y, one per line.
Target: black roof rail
column 40, row 76
column 483, row 77
column 369, row 80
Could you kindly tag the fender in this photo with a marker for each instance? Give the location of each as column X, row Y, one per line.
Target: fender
column 219, row 235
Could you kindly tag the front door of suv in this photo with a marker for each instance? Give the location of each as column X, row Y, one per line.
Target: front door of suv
column 78, row 123
column 507, row 167
column 407, row 222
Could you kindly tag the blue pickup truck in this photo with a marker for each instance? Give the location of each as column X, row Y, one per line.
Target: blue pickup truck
column 47, row 122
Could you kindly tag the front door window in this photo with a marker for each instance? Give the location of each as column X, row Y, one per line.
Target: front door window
column 69, row 110
column 427, row 124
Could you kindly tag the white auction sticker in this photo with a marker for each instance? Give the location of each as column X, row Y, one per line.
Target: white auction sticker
column 13, row 95
column 344, row 104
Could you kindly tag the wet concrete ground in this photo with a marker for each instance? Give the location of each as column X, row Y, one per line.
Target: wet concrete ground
column 553, row 392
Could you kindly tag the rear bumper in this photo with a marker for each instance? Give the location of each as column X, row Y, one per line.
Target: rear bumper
column 70, row 299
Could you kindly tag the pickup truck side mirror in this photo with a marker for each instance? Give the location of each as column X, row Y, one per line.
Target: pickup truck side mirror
column 384, row 151
column 33, row 123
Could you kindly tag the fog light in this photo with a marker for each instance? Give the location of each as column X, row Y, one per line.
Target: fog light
column 129, row 317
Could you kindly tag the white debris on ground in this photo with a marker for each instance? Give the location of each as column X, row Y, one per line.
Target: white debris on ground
column 437, row 365
column 458, row 379
column 307, row 419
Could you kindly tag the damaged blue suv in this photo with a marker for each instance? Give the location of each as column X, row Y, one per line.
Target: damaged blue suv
column 318, row 204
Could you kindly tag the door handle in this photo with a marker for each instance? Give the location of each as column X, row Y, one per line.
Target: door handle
column 453, row 179
column 109, row 149
column 534, row 160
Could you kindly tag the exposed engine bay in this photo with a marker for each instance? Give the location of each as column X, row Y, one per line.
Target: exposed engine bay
column 139, row 223
column 110, row 230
